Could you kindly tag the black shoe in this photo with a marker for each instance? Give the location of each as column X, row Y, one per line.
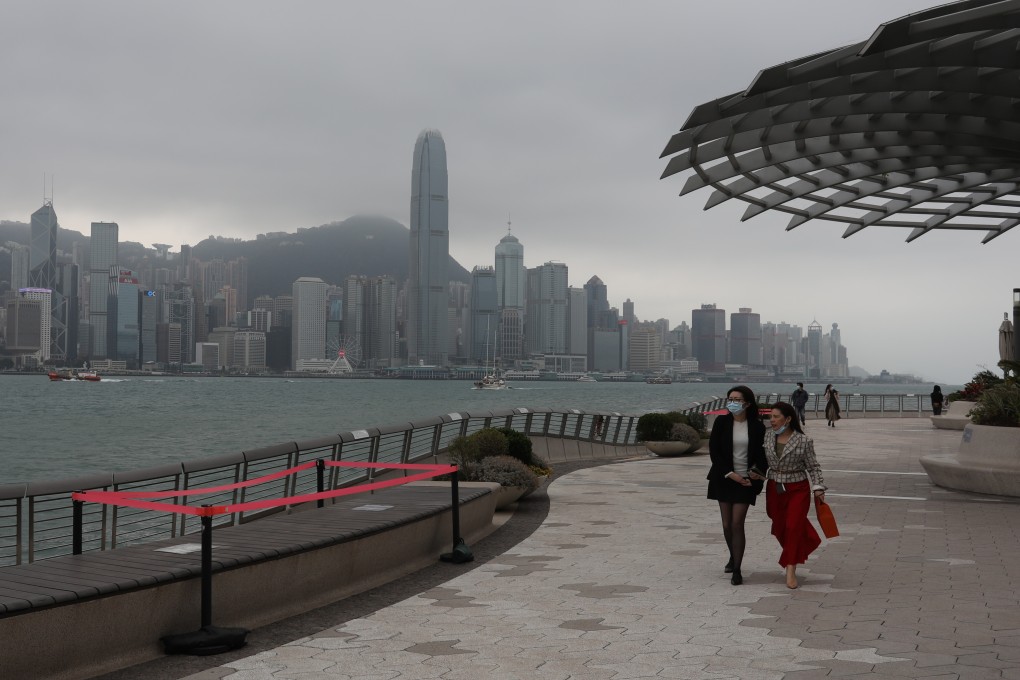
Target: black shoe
column 736, row 579
column 729, row 567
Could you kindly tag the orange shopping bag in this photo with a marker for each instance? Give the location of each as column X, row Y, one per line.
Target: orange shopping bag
column 825, row 519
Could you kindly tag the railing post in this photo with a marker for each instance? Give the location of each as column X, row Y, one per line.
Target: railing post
column 320, row 473
column 78, row 520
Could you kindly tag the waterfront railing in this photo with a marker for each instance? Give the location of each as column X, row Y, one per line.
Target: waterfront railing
column 36, row 518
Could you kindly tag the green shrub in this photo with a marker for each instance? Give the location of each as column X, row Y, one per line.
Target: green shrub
column 973, row 390
column 505, row 471
column 467, row 451
column 518, row 445
column 684, row 433
column 998, row 405
column 654, row 427
column 698, row 421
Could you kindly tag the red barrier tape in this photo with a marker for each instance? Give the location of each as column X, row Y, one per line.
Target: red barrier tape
column 134, row 499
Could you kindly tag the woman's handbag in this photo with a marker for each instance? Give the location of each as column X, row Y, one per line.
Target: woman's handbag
column 825, row 519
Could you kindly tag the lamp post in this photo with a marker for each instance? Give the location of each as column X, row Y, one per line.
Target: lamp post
column 1016, row 330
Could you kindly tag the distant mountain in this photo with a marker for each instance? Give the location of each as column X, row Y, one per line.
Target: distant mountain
column 363, row 245
column 858, row 372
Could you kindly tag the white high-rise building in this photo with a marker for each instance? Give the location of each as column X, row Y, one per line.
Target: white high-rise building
column 427, row 300
column 308, row 329
column 44, row 297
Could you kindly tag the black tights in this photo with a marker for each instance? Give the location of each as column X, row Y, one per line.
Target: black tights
column 733, row 515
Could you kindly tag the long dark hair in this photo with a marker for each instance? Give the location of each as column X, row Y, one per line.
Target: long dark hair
column 789, row 412
column 751, row 404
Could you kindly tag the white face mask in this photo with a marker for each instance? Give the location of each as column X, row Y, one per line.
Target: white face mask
column 780, row 430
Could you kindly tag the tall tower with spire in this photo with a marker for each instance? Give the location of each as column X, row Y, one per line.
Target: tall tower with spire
column 511, row 277
column 428, row 289
column 42, row 274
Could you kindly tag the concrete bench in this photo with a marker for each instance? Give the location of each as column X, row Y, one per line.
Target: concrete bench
column 956, row 416
column 82, row 615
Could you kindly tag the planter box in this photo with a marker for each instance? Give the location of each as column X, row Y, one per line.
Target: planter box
column 666, row 449
column 988, row 461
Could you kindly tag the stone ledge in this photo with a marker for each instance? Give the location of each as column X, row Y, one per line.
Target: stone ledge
column 89, row 636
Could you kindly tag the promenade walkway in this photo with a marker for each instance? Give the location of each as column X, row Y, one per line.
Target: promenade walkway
column 624, row 579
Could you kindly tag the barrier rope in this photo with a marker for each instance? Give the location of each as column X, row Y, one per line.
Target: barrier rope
column 137, row 499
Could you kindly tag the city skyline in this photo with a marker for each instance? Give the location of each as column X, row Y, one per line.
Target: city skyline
column 563, row 135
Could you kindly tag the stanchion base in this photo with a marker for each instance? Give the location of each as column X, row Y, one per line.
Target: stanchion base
column 206, row 641
column 461, row 553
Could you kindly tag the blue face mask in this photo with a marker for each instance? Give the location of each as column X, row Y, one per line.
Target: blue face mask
column 734, row 407
column 780, row 430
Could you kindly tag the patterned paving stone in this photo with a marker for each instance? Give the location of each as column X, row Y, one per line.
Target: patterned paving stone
column 920, row 585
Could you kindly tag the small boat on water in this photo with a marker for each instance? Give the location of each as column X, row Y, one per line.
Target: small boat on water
column 61, row 375
column 491, row 382
column 586, row 378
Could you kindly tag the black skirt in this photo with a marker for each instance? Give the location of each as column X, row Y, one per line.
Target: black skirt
column 726, row 490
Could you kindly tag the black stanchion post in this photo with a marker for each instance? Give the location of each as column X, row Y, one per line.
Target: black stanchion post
column 461, row 552
column 320, row 470
column 78, row 520
column 208, row 639
column 206, row 569
column 456, row 512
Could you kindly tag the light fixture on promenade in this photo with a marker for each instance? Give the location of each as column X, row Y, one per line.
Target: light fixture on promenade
column 916, row 127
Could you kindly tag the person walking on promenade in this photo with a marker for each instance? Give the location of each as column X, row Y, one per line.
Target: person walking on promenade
column 735, row 446
column 799, row 400
column 793, row 476
column 936, row 401
column 832, row 408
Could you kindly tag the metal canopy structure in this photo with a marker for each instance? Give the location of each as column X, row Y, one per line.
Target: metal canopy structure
column 917, row 127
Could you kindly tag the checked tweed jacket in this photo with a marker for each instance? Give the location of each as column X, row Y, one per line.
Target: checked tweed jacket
column 797, row 463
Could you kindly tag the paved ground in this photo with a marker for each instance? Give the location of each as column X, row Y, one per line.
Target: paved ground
column 624, row 579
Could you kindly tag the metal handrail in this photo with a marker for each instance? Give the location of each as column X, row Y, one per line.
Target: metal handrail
column 36, row 518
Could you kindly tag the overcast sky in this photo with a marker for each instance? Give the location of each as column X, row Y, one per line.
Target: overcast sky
column 181, row 120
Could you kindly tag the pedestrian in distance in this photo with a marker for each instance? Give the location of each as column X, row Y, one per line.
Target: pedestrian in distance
column 799, row 400
column 793, row 477
column 936, row 401
column 735, row 447
column 832, row 408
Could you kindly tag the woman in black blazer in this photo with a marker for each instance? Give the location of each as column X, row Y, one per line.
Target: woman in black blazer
column 735, row 447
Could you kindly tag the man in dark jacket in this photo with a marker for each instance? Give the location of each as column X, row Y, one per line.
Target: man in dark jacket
column 799, row 400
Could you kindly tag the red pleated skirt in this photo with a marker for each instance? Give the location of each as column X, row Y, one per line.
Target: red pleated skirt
column 790, row 525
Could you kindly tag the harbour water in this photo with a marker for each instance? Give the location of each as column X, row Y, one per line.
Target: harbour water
column 55, row 430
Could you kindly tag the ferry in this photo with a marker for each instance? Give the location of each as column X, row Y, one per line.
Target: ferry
column 585, row 378
column 659, row 380
column 64, row 374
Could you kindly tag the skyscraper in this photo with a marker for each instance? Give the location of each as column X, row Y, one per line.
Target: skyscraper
column 546, row 309
column 308, row 332
column 427, row 322
column 103, row 256
column 745, row 337
column 19, row 267
column 42, row 274
column 511, row 277
column 708, row 335
column 483, row 317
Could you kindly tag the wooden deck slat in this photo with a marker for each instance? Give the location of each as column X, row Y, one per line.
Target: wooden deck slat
column 97, row 573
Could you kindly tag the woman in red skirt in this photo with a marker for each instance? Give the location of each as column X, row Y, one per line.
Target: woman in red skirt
column 793, row 477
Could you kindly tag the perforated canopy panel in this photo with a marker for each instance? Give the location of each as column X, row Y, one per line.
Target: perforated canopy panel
column 917, row 127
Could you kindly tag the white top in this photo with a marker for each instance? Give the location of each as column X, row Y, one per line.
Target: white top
column 741, row 441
